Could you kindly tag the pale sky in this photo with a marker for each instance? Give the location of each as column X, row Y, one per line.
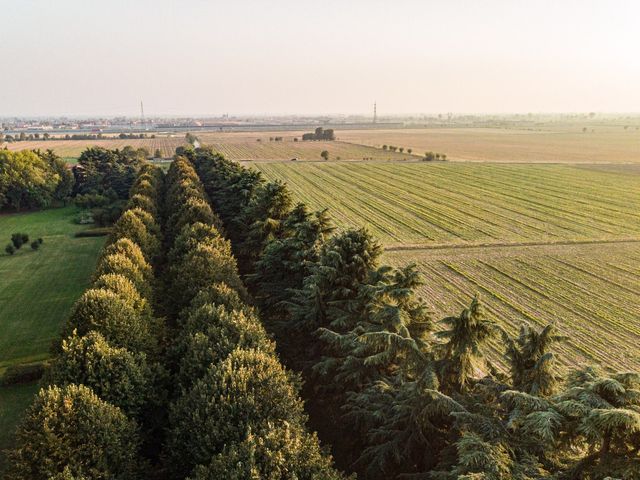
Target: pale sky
column 85, row 57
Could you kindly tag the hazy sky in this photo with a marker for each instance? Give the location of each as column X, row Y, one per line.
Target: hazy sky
column 74, row 57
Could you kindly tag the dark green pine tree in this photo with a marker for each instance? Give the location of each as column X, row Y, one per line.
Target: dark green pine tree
column 532, row 364
column 330, row 295
column 230, row 188
column 392, row 335
column 461, row 357
column 285, row 262
column 262, row 222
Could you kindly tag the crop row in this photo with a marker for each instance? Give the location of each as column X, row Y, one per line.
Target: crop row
column 418, row 202
column 589, row 299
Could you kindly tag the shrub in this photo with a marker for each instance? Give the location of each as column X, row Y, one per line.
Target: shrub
column 131, row 226
column 248, row 390
column 40, row 241
column 92, row 200
column 107, row 215
column 116, row 375
column 10, row 249
column 125, row 289
column 84, row 218
column 193, row 210
column 114, row 317
column 35, row 245
column 202, row 266
column 19, row 239
column 211, row 334
column 25, row 373
column 144, row 186
column 147, row 218
column 71, row 429
column 143, row 202
column 284, row 451
column 93, row 232
column 67, row 475
column 217, row 294
column 123, row 265
column 194, row 234
column 132, row 251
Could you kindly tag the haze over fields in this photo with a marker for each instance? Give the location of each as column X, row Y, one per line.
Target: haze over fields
column 291, row 56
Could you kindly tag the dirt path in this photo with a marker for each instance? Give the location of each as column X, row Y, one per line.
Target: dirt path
column 580, row 247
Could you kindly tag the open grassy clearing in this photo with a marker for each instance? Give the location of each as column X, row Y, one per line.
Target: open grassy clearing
column 37, row 290
column 73, row 148
column 590, row 291
column 605, row 144
column 419, row 203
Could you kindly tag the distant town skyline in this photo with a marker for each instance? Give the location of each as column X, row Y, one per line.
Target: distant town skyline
column 207, row 58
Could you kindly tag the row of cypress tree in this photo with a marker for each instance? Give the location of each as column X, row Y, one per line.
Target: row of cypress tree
column 398, row 395
column 96, row 415
column 235, row 411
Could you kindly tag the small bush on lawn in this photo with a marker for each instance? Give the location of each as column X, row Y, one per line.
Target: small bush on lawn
column 19, row 239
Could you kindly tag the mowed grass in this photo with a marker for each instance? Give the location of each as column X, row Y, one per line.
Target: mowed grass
column 37, row 290
column 550, row 144
column 445, row 203
column 590, row 292
column 539, row 243
column 14, row 399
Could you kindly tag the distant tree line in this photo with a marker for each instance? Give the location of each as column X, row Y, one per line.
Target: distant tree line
column 33, row 179
column 103, row 179
column 100, row 182
column 400, row 395
column 319, row 134
column 22, row 137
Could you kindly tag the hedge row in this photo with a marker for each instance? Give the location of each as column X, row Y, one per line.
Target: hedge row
column 102, row 391
column 237, row 413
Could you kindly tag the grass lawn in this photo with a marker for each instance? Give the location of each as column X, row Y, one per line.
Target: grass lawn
column 37, row 290
column 13, row 401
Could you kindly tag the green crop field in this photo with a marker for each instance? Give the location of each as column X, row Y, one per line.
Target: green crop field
column 37, row 290
column 539, row 243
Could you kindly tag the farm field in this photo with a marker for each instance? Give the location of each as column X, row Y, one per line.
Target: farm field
column 73, row 148
column 568, row 144
column 590, row 291
column 539, row 243
column 444, row 203
column 243, row 146
column 37, row 290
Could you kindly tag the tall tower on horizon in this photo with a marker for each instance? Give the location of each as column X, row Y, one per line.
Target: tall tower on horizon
column 375, row 112
column 141, row 113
